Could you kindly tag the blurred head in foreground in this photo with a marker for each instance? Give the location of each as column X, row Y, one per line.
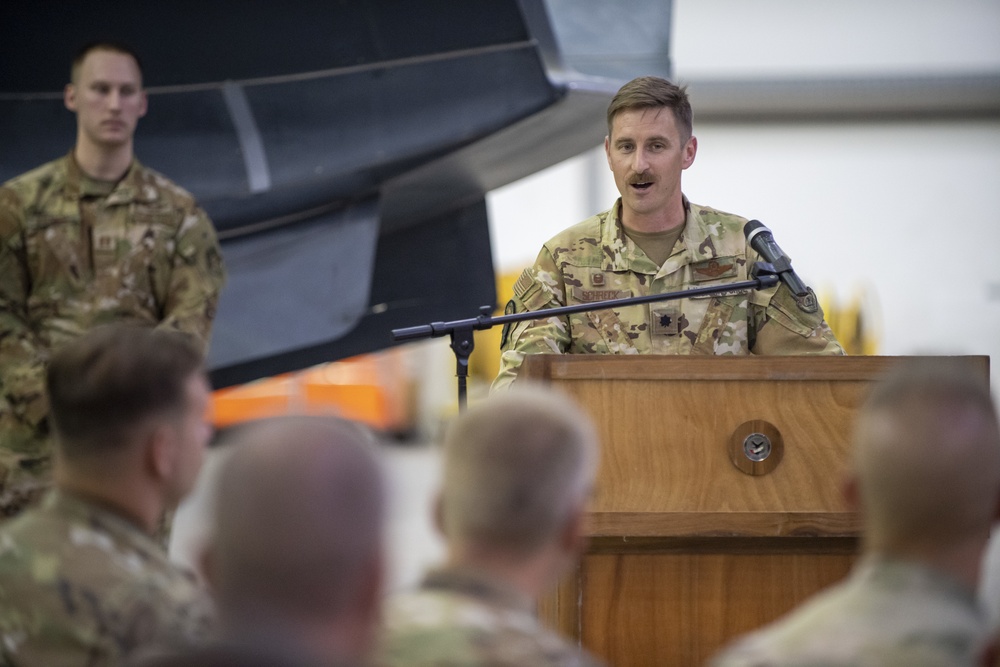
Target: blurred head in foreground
column 298, row 552
column 519, row 469
column 129, row 409
column 518, row 472
column 925, row 471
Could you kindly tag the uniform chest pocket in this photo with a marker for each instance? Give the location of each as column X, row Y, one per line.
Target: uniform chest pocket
column 723, row 326
column 136, row 254
column 611, row 331
column 57, row 251
column 144, row 242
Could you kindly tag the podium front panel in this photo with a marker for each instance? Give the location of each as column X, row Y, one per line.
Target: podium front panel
column 688, row 550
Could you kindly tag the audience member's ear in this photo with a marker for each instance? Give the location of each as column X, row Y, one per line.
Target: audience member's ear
column 160, row 454
column 990, row 656
column 573, row 538
column 851, row 491
column 206, row 567
column 437, row 515
column 371, row 587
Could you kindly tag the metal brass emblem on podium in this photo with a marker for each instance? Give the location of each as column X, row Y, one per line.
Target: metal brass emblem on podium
column 756, row 447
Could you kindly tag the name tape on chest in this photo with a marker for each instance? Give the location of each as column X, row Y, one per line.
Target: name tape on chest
column 592, row 295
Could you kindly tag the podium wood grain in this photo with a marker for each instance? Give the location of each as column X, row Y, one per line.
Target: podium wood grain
column 686, row 550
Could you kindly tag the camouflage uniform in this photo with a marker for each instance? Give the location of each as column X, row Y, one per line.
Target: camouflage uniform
column 255, row 652
column 886, row 613
column 463, row 617
column 595, row 261
column 80, row 585
column 76, row 253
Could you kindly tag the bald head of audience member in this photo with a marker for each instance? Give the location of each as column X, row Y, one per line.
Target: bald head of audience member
column 297, row 554
column 128, row 406
column 926, row 465
column 518, row 471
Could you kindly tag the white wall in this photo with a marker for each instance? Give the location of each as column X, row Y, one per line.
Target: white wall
column 748, row 38
column 909, row 211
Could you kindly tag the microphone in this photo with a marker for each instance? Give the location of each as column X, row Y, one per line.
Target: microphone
column 760, row 239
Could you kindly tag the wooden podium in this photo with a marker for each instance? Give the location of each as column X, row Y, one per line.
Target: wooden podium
column 693, row 541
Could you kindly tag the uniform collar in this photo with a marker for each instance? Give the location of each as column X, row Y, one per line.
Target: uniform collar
column 896, row 573
column 478, row 584
column 622, row 254
column 130, row 188
column 98, row 516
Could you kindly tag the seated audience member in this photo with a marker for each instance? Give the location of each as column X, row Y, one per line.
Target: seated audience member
column 925, row 476
column 518, row 471
column 296, row 560
column 82, row 582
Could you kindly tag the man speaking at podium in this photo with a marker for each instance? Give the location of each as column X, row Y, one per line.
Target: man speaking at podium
column 653, row 240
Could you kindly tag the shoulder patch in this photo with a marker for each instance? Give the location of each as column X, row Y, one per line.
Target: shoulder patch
column 801, row 315
column 808, row 303
column 509, row 309
column 524, row 281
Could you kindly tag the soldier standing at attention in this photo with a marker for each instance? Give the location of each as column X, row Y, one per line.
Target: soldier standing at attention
column 82, row 581
column 91, row 238
column 518, row 472
column 654, row 240
column 925, row 477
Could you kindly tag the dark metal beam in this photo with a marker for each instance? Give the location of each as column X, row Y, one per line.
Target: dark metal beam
column 891, row 97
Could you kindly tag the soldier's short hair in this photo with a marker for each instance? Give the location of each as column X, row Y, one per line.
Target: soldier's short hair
column 942, row 381
column 927, row 453
column 516, row 466
column 101, row 45
column 104, row 384
column 651, row 92
column 299, row 511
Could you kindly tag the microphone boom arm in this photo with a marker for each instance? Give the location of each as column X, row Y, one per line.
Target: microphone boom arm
column 764, row 274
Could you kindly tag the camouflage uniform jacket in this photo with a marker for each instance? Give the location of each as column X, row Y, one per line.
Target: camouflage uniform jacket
column 80, row 585
column 73, row 256
column 463, row 617
column 596, row 261
column 254, row 652
column 886, row 613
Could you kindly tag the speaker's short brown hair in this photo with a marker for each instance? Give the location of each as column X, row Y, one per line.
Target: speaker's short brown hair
column 651, row 92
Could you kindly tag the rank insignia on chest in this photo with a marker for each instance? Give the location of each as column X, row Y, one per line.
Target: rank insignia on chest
column 105, row 242
column 596, row 279
column 665, row 321
column 723, row 267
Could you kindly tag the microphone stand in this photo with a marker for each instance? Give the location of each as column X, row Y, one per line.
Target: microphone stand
column 461, row 331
